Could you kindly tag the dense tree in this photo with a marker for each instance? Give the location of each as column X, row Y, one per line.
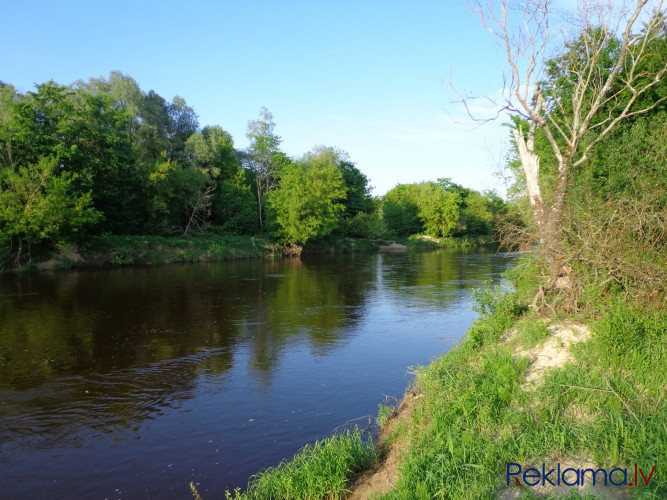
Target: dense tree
column 8, row 97
column 401, row 212
column 233, row 205
column 103, row 156
column 84, row 134
column 440, row 209
column 308, row 199
column 37, row 205
column 183, row 123
column 125, row 93
column 174, row 194
column 424, row 207
column 212, row 150
column 153, row 134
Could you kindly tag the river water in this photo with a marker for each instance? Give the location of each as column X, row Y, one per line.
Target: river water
column 130, row 383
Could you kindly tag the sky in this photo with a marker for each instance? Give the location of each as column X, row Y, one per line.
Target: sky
column 370, row 77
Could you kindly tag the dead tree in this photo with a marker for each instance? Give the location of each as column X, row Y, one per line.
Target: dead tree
column 587, row 102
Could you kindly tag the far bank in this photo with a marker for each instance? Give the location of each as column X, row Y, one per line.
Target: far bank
column 115, row 250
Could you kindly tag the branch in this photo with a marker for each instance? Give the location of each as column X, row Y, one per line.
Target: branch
column 612, row 391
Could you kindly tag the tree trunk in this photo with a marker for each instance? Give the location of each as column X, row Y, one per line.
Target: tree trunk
column 549, row 221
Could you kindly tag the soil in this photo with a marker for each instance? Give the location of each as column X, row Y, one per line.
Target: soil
column 385, row 475
column 554, row 352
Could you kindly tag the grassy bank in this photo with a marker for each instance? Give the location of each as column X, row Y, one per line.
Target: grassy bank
column 482, row 406
column 322, row 470
column 125, row 250
column 115, row 250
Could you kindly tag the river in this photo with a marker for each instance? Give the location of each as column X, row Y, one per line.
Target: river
column 129, row 383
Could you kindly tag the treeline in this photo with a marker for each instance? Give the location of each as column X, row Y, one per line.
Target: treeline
column 106, row 157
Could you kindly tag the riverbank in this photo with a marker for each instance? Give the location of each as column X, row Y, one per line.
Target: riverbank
column 585, row 392
column 114, row 250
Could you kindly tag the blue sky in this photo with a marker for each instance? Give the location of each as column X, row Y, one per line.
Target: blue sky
column 368, row 77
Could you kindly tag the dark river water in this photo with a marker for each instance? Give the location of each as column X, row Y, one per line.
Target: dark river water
column 130, row 383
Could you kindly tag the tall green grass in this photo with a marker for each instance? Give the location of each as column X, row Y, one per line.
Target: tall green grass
column 321, row 470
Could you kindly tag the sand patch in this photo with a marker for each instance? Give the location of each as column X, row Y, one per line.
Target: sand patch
column 554, row 352
column 394, row 247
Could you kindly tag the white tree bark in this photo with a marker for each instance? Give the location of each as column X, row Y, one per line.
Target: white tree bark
column 584, row 100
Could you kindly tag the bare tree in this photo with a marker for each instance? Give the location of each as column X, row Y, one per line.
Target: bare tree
column 200, row 210
column 601, row 78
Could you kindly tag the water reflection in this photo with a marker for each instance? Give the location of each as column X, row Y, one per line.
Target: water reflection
column 91, row 359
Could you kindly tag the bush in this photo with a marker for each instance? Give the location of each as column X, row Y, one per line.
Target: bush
column 365, row 225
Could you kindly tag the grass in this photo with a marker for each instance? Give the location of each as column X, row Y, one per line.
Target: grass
column 385, row 413
column 321, row 470
column 530, row 333
column 126, row 250
column 340, row 244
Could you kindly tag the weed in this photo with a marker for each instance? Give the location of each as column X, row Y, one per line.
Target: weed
column 530, row 332
column 321, row 470
column 385, row 413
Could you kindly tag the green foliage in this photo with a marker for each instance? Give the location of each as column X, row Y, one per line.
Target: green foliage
column 234, row 208
column 400, row 210
column 478, row 214
column 37, row 205
column 170, row 189
column 385, row 413
column 499, row 309
column 358, row 199
column 490, row 300
column 133, row 162
column 212, row 151
column 308, row 200
column 365, row 225
column 318, row 471
column 261, row 157
column 626, row 331
column 631, row 162
column 440, row 209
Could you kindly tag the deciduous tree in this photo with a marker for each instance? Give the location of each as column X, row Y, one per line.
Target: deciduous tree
column 309, row 199
column 264, row 144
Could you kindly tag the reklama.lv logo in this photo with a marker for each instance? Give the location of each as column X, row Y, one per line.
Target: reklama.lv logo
column 574, row 477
